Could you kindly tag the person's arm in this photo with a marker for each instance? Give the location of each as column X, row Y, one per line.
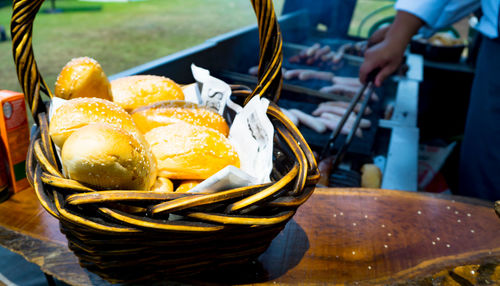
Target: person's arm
column 438, row 14
column 388, row 45
column 388, row 54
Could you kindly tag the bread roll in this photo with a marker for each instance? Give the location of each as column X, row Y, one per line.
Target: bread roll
column 106, row 157
column 82, row 77
column 168, row 112
column 79, row 112
column 139, row 90
column 187, row 185
column 186, row 151
column 162, row 185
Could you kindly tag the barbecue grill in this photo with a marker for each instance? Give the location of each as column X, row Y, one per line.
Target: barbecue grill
column 390, row 143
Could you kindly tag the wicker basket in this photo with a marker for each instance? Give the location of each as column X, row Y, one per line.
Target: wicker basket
column 132, row 235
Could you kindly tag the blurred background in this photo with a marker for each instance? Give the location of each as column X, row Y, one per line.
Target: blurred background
column 123, row 34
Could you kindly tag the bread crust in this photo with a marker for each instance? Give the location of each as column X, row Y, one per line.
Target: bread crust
column 82, row 77
column 79, row 112
column 132, row 92
column 172, row 111
column 107, row 157
column 187, row 185
column 162, row 185
column 186, row 151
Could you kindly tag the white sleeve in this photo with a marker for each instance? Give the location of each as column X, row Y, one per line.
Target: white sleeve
column 438, row 14
column 427, row 10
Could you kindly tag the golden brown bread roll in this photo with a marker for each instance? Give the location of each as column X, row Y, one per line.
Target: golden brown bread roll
column 162, row 185
column 79, row 112
column 82, row 77
column 186, row 151
column 168, row 112
column 107, row 157
column 187, row 185
column 135, row 91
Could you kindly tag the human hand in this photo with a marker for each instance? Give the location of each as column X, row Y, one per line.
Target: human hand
column 386, row 55
column 378, row 36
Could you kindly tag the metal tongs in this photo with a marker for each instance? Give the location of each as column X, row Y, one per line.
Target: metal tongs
column 369, row 85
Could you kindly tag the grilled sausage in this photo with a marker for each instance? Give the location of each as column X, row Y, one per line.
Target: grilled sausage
column 253, row 70
column 344, row 104
column 337, row 57
column 348, row 81
column 291, row 74
column 325, row 169
column 305, row 74
column 346, row 90
column 312, row 50
column 291, row 116
column 310, row 121
column 327, row 57
column 312, row 74
column 364, row 123
column 321, row 52
column 332, row 121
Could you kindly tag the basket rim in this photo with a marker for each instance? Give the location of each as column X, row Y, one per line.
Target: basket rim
column 61, row 196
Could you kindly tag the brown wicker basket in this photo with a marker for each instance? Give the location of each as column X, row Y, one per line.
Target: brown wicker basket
column 132, row 235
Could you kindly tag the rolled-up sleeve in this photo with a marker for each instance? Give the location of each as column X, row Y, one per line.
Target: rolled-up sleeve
column 428, row 11
column 438, row 14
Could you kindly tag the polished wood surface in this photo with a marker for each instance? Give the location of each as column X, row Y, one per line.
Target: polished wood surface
column 350, row 235
column 23, row 213
column 343, row 236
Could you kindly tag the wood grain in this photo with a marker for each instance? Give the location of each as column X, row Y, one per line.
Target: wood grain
column 23, row 213
column 381, row 236
column 339, row 236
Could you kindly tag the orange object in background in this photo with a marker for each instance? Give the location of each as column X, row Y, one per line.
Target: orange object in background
column 14, row 132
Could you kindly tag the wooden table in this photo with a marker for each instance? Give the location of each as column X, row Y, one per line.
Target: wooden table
column 344, row 236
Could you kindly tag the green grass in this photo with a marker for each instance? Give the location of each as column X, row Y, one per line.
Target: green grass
column 124, row 35
column 121, row 35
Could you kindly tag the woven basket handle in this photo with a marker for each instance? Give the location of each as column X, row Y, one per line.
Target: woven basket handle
column 32, row 83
